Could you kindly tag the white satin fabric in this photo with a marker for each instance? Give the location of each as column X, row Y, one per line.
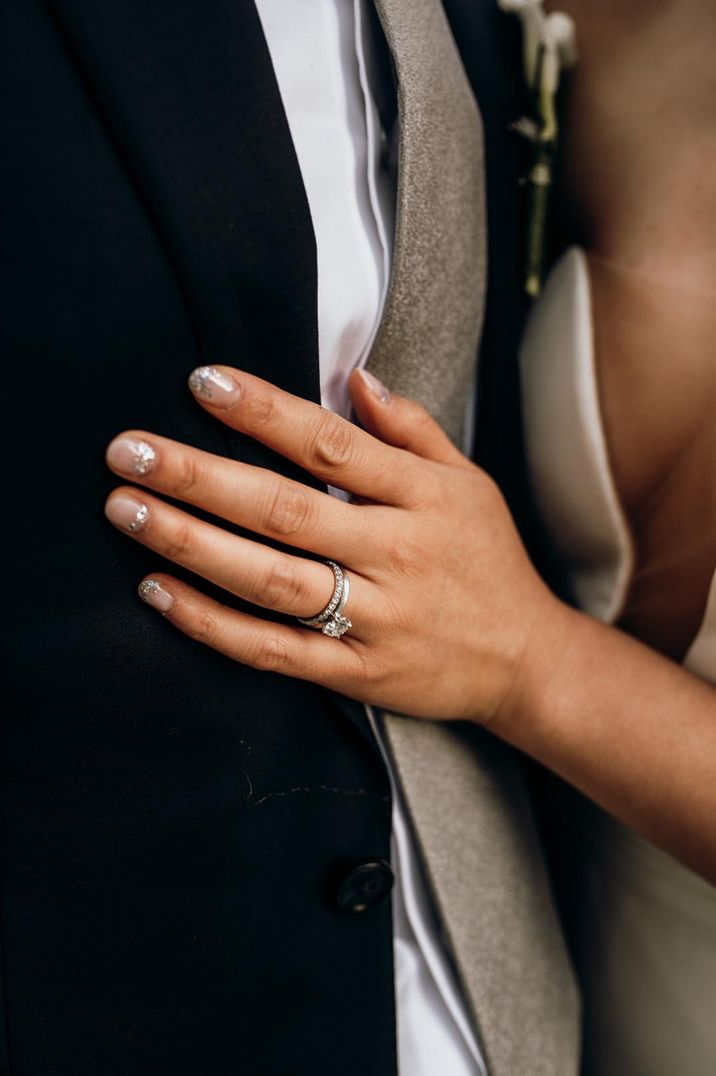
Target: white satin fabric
column 646, row 925
column 321, row 54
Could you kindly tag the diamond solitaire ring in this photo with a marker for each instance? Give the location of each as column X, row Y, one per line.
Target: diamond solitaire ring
column 331, row 620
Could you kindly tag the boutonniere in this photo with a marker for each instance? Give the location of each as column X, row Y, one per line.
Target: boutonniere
column 549, row 46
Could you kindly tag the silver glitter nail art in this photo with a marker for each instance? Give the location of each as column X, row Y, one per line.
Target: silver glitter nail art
column 140, row 519
column 144, row 457
column 200, row 380
column 205, row 379
column 147, row 587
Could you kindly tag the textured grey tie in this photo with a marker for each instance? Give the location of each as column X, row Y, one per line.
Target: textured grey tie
column 463, row 789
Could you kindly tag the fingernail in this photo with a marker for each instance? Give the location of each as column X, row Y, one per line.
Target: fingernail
column 212, row 384
column 131, row 457
column 154, row 594
column 375, row 385
column 127, row 513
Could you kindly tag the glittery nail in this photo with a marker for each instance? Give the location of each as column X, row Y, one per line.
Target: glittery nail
column 213, row 385
column 154, row 594
column 127, row 513
column 131, row 457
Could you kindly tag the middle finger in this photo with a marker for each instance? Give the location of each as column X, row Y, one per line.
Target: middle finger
column 251, row 497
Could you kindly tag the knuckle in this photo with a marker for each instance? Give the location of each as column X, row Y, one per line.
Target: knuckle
column 189, row 477
column 488, row 484
column 258, row 409
column 428, row 487
column 204, row 627
column 332, row 442
column 269, row 653
column 420, row 416
column 179, row 543
column 289, row 510
column 485, row 485
column 281, row 587
column 408, row 556
column 368, row 671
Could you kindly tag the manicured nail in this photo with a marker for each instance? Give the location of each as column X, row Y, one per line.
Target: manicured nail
column 375, row 385
column 127, row 513
column 211, row 384
column 131, row 457
column 154, row 594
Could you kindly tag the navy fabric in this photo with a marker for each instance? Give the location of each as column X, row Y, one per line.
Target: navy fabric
column 175, row 826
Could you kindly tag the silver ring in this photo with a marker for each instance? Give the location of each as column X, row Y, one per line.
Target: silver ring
column 331, row 620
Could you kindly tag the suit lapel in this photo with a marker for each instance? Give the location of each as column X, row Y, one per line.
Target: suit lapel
column 188, row 93
column 463, row 789
column 427, row 342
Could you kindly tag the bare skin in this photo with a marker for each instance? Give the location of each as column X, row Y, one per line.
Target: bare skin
column 640, row 189
column 639, row 135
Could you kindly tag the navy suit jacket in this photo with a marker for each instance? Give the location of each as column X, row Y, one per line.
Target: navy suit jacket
column 175, row 826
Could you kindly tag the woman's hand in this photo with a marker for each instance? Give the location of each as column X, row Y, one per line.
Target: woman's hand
column 443, row 599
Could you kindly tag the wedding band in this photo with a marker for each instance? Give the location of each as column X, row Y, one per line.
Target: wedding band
column 331, row 620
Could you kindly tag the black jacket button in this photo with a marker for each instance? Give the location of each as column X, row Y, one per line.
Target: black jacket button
column 365, row 886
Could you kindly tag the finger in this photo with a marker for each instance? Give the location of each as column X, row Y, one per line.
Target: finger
column 298, row 652
column 252, row 497
column 251, row 571
column 399, row 421
column 328, row 446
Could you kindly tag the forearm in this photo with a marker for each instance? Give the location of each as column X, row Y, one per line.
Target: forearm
column 629, row 728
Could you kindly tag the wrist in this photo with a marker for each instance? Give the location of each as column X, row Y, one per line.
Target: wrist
column 543, row 673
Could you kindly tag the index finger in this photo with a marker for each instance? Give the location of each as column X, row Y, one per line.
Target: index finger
column 334, row 450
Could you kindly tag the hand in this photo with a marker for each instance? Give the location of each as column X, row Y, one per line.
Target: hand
column 443, row 598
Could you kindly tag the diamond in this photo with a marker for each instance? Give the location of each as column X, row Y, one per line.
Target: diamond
column 337, row 626
column 340, row 590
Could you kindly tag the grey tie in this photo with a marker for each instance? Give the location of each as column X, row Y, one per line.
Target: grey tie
column 463, row 789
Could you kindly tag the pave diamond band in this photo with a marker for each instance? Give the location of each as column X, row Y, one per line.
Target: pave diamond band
column 340, row 580
column 331, row 620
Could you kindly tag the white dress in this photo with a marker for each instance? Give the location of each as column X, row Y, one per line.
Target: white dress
column 645, row 927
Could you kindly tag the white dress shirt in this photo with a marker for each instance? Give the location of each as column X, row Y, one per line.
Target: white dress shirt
column 320, row 51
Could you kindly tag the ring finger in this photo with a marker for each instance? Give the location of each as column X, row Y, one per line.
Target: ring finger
column 252, row 571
